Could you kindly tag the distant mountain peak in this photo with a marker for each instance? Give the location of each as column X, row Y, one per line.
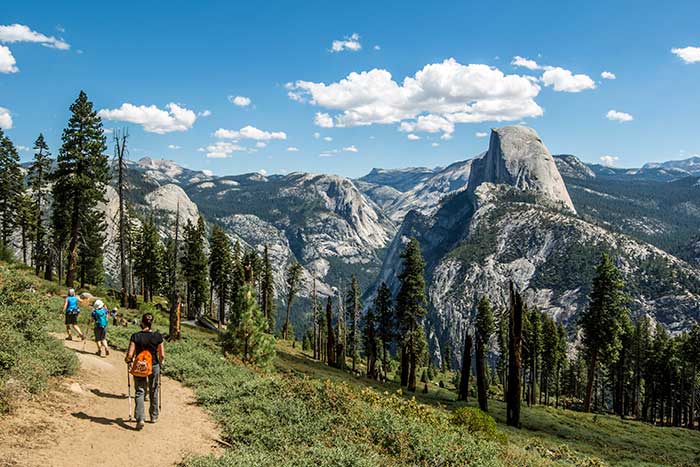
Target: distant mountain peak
column 517, row 157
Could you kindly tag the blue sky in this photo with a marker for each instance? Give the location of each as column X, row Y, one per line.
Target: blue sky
column 279, row 55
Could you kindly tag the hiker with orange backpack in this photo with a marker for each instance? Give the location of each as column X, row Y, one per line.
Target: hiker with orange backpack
column 71, row 310
column 145, row 356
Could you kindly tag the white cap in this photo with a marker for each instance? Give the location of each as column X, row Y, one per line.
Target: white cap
column 99, row 304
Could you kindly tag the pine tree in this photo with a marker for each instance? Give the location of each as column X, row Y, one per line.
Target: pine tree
column 120, row 153
column 220, row 268
column 602, row 321
column 11, row 188
column 386, row 324
column 410, row 304
column 267, row 291
column 370, row 342
column 91, row 247
column 446, row 358
column 194, row 267
column 149, row 260
column 484, row 328
column 353, row 306
column 249, row 339
column 25, row 219
column 173, row 254
column 80, row 178
column 533, row 344
column 550, row 355
column 562, row 361
column 39, row 174
column 293, row 285
column 502, row 365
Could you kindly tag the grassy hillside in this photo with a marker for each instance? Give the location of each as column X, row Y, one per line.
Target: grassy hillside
column 303, row 413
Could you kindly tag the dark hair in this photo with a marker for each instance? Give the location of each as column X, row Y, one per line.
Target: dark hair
column 146, row 320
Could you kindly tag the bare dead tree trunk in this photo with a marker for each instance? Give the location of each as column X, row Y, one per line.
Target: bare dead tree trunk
column 120, row 139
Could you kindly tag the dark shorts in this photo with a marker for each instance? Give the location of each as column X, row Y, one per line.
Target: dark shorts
column 71, row 318
column 100, row 333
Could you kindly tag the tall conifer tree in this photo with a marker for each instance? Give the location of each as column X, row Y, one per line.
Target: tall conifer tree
column 39, row 173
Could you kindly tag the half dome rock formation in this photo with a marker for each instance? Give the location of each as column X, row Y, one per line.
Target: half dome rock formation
column 517, row 157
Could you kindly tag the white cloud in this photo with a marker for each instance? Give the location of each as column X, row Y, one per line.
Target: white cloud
column 23, row 148
column 565, row 81
column 292, row 149
column 260, row 145
column 317, row 135
column 481, row 134
column 153, row 119
column 435, row 145
column 525, row 62
column 250, row 132
column 240, row 101
column 204, row 113
column 325, row 154
column 5, row 119
column 8, row 64
column 688, row 54
column 323, row 120
column 454, row 92
column 608, row 75
column 351, row 43
column 20, row 33
column 377, row 47
column 173, row 146
column 609, row 161
column 429, row 124
column 413, row 137
column 327, row 138
column 619, row 116
column 350, row 148
column 221, row 150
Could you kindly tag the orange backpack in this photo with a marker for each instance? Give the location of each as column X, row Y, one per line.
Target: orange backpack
column 143, row 364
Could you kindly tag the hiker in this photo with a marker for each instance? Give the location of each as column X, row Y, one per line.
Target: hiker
column 100, row 316
column 114, row 313
column 71, row 311
column 145, row 356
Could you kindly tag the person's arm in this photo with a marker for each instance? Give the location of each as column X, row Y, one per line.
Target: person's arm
column 161, row 353
column 65, row 304
column 130, row 353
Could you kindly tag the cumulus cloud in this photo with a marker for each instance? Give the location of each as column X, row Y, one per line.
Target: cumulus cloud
column 481, row 134
column 429, row 124
column 413, row 137
column 204, row 113
column 350, row 148
column 350, row 43
column 8, row 64
column 20, row 33
column 327, row 138
column 240, row 101
column 688, row 54
column 173, row 146
column 323, row 120
column 377, row 47
column 153, row 119
column 565, row 81
column 440, row 92
column 609, row 161
column 317, row 135
column 608, row 75
column 435, row 145
column 260, row 145
column 250, row 132
column 619, row 116
column 292, row 149
column 525, row 62
column 5, row 119
column 221, row 150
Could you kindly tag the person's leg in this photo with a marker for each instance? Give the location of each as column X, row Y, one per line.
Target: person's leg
column 104, row 346
column 141, row 386
column 77, row 329
column 154, row 386
column 68, row 336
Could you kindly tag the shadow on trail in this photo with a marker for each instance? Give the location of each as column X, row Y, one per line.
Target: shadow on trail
column 103, row 420
column 108, row 395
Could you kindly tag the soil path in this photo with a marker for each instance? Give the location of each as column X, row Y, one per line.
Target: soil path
column 84, row 421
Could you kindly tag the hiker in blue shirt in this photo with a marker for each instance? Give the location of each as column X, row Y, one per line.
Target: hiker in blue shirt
column 101, row 316
column 71, row 311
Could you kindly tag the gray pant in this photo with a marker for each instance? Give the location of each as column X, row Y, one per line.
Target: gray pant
column 150, row 384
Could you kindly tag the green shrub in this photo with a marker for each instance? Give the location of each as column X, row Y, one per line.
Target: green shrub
column 476, row 422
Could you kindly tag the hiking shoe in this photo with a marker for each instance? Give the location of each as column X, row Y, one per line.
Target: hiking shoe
column 83, row 337
column 98, row 353
column 107, row 352
column 154, row 419
column 69, row 338
column 140, row 425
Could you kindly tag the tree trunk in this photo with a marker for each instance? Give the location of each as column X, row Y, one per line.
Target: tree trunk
column 404, row 366
column 412, row 364
column 175, row 315
column 73, row 245
column 466, row 368
column 514, row 358
column 481, row 389
column 285, row 331
column 591, row 379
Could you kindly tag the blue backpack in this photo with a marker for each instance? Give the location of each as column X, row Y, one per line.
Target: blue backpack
column 72, row 305
column 101, row 318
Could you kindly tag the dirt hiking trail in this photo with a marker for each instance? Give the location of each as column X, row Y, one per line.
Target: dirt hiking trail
column 84, row 421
